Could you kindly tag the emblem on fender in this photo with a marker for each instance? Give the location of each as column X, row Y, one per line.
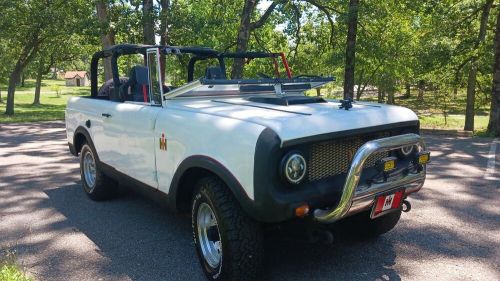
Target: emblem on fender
column 163, row 142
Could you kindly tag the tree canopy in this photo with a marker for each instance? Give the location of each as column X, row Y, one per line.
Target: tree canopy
column 392, row 45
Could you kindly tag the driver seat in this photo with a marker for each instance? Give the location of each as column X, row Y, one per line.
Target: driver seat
column 137, row 87
column 214, row 72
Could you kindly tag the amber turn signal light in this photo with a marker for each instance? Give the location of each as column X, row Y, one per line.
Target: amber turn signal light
column 302, row 210
column 387, row 164
column 423, row 157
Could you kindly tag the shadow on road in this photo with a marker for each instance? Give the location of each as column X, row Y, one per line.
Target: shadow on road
column 141, row 240
column 146, row 241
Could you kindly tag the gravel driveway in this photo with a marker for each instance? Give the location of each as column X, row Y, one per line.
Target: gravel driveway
column 452, row 232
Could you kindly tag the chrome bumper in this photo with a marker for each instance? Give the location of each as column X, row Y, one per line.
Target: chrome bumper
column 356, row 199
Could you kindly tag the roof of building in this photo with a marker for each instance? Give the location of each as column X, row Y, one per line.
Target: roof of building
column 73, row 74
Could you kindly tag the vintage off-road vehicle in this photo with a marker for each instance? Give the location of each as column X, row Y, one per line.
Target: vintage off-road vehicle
column 244, row 154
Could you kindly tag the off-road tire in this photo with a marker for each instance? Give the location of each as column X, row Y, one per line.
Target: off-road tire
column 240, row 236
column 104, row 188
column 362, row 227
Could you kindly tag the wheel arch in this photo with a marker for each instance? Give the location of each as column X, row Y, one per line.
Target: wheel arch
column 191, row 170
column 80, row 137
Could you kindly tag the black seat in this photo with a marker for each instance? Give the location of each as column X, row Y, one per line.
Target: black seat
column 107, row 90
column 137, row 87
column 214, row 72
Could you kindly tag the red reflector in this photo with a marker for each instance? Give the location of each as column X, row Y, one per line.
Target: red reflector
column 387, row 202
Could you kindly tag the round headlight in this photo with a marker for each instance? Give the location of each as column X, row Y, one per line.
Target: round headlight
column 294, row 167
column 406, row 151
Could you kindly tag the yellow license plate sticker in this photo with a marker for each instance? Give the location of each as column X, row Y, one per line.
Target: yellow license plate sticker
column 423, row 158
column 389, row 165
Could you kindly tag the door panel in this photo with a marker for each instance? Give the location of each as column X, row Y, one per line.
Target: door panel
column 129, row 142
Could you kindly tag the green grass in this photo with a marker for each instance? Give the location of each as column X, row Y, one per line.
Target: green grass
column 9, row 270
column 453, row 122
column 52, row 105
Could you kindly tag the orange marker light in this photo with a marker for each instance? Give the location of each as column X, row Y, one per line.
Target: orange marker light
column 302, row 210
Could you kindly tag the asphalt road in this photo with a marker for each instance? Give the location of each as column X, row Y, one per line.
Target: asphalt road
column 452, row 232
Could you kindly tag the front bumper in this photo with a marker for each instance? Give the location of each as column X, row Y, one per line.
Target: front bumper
column 356, row 198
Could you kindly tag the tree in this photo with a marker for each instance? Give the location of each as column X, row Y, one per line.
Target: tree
column 494, row 123
column 471, row 81
column 350, row 54
column 43, row 65
column 107, row 34
column 164, row 12
column 28, row 21
column 30, row 25
column 246, row 27
column 148, row 21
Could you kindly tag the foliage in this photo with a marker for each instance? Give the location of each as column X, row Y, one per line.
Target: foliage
column 9, row 270
column 399, row 42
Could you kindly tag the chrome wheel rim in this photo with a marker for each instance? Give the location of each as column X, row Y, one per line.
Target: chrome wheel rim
column 209, row 235
column 89, row 169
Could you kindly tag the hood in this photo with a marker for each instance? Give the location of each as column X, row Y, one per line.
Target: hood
column 301, row 121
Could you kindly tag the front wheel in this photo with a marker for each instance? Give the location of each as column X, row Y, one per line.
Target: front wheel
column 228, row 242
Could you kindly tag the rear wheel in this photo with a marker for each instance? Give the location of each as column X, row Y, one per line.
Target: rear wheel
column 362, row 227
column 95, row 184
column 227, row 241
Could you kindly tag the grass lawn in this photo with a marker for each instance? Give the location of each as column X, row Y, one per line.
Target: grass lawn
column 9, row 270
column 52, row 106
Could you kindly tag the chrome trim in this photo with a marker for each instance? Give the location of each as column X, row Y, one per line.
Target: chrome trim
column 362, row 199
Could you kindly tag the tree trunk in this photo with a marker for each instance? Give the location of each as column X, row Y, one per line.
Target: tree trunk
column 379, row 96
column 165, row 6
column 1, row 101
column 243, row 37
column 148, row 22
column 471, row 81
column 390, row 97
column 9, row 109
column 421, row 89
column 107, row 35
column 350, row 56
column 471, row 96
column 23, row 79
column 38, row 86
column 494, row 123
column 408, row 90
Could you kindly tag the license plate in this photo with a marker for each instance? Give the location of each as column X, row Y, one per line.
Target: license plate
column 387, row 203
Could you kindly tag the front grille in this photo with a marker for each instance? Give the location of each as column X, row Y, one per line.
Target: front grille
column 333, row 157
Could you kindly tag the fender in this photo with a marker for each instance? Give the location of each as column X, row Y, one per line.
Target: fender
column 213, row 166
column 75, row 147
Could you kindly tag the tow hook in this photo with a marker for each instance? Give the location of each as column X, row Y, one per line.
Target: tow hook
column 406, row 206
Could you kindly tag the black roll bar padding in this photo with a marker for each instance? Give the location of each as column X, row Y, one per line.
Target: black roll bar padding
column 249, row 55
column 116, row 75
column 93, row 74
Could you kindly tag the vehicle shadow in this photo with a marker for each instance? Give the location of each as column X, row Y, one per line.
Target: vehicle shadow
column 146, row 241
column 141, row 240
